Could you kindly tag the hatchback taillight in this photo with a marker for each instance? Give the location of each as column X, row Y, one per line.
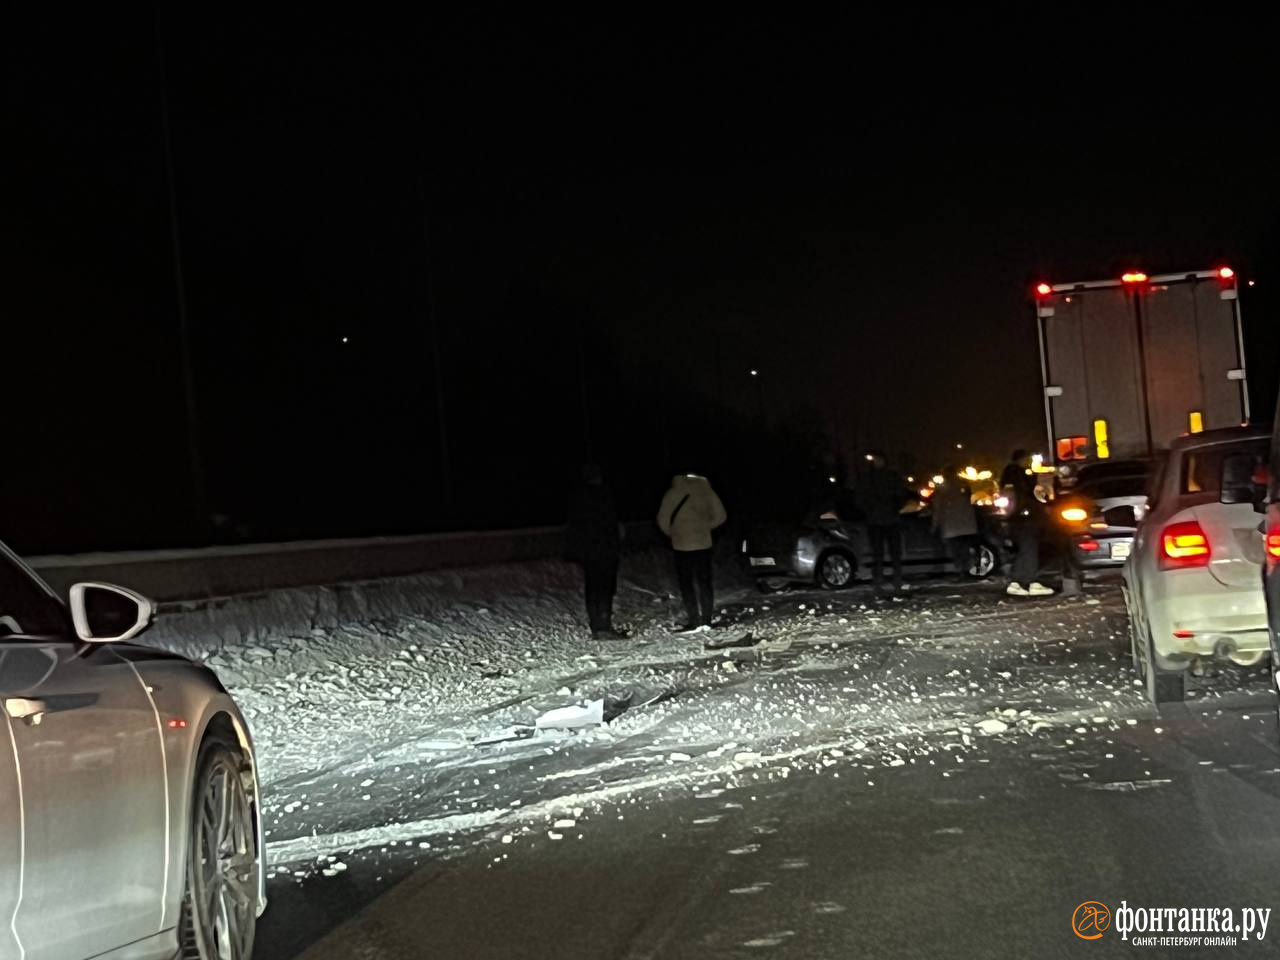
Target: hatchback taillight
column 1183, row 545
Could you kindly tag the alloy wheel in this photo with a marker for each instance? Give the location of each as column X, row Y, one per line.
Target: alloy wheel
column 982, row 561
column 837, row 571
column 222, row 888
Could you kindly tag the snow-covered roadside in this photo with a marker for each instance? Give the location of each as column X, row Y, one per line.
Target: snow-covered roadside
column 379, row 708
column 326, row 675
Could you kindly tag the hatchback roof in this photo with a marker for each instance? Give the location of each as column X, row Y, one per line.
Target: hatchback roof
column 1224, row 435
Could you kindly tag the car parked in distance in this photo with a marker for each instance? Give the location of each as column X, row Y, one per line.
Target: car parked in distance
column 130, row 827
column 835, row 553
column 1100, row 514
column 1193, row 584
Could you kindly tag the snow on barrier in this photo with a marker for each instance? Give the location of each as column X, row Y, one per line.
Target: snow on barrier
column 195, row 574
column 210, row 572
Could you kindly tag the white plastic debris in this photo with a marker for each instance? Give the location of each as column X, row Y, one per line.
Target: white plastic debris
column 572, row 717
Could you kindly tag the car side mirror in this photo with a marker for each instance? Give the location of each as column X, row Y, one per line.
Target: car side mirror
column 104, row 613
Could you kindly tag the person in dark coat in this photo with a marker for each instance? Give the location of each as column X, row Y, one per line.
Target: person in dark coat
column 882, row 496
column 1028, row 513
column 593, row 539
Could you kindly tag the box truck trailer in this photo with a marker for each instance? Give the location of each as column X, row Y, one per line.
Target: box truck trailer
column 1130, row 364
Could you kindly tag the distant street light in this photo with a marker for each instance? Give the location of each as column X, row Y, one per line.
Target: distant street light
column 755, row 373
column 959, row 446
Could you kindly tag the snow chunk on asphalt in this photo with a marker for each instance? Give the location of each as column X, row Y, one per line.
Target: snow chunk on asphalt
column 572, row 717
column 991, row 726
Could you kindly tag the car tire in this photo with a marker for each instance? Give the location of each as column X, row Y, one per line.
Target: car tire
column 984, row 561
column 836, row 570
column 1275, row 682
column 220, row 907
column 1162, row 686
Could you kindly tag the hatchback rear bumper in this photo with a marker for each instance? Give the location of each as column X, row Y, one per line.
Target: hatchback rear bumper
column 1200, row 617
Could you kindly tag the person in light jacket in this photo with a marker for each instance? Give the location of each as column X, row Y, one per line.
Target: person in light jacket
column 690, row 511
column 954, row 519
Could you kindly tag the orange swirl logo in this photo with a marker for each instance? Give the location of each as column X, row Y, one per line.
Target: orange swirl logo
column 1090, row 919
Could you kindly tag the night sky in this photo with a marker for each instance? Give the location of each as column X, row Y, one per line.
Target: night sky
column 568, row 239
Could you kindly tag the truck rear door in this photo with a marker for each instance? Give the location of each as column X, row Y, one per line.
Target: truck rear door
column 1191, row 345
column 1093, row 359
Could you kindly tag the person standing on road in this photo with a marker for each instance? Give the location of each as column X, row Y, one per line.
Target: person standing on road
column 954, row 519
column 593, row 539
column 884, row 493
column 1028, row 513
column 690, row 511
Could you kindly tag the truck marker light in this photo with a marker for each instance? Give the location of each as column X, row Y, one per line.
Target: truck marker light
column 1134, row 278
column 1100, row 439
column 1195, row 421
column 1075, row 515
column 1043, row 289
column 1226, row 273
column 1183, row 545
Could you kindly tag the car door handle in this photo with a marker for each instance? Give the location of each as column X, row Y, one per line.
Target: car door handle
column 30, row 711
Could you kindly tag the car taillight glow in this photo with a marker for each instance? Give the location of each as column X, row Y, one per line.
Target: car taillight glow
column 1134, row 278
column 1184, row 634
column 1183, row 545
column 1043, row 289
column 1089, row 546
column 1075, row 515
column 1226, row 273
column 1273, row 542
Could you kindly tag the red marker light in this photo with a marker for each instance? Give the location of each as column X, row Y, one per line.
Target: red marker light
column 1043, row 289
column 1226, row 273
column 177, row 724
column 1184, row 634
column 1134, row 278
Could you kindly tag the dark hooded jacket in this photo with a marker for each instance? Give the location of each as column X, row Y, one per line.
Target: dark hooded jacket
column 592, row 534
column 882, row 495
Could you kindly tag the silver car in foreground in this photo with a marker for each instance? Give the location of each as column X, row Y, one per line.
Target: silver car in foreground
column 129, row 821
column 1193, row 583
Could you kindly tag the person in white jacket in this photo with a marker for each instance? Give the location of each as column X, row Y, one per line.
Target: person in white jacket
column 690, row 511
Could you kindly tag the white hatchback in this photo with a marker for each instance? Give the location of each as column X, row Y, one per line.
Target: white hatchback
column 1193, row 584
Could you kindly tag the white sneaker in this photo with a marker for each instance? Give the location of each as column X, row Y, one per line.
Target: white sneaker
column 1017, row 590
column 1040, row 590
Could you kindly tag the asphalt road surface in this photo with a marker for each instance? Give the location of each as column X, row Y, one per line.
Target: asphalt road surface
column 955, row 841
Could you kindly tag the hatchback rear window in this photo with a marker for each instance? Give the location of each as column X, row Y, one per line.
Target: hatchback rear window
column 1202, row 469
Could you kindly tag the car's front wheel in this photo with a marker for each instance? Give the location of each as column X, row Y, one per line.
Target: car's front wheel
column 835, row 570
column 220, row 908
